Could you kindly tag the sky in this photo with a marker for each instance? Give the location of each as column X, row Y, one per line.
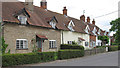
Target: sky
column 93, row 9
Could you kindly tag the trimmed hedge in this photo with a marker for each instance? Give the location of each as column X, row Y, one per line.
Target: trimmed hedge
column 20, row 59
column 113, row 48
column 67, row 54
column 68, row 46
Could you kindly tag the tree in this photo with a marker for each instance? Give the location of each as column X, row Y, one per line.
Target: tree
column 104, row 39
column 116, row 28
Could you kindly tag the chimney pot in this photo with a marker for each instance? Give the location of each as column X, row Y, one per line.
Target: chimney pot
column 82, row 18
column 44, row 4
column 65, row 11
column 88, row 19
column 93, row 22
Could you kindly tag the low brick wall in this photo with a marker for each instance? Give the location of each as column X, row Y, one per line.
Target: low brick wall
column 94, row 51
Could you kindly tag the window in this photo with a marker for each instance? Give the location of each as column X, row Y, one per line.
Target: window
column 71, row 25
column 79, row 42
column 70, row 42
column 53, row 24
column 22, row 19
column 52, row 44
column 87, row 29
column 86, row 43
column 21, row 44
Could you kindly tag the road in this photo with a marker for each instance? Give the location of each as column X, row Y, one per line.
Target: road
column 103, row 59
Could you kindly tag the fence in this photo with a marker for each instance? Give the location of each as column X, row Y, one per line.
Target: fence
column 94, row 51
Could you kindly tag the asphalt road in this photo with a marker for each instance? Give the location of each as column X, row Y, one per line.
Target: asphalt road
column 103, row 59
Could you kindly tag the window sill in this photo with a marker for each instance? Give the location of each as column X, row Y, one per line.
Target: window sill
column 53, row 48
column 22, row 49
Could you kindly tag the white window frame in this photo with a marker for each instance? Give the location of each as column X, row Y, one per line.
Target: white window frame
column 99, row 31
column 71, row 25
column 79, row 42
column 86, row 29
column 24, row 44
column 94, row 31
column 53, row 24
column 87, row 44
column 69, row 42
column 22, row 19
column 52, row 44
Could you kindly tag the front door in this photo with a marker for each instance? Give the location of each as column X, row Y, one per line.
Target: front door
column 39, row 44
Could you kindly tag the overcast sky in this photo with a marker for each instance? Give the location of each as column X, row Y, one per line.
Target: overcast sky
column 93, row 8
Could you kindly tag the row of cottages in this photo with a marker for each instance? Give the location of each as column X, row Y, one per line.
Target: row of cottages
column 26, row 27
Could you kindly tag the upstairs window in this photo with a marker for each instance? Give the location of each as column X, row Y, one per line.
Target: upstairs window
column 99, row 31
column 21, row 44
column 87, row 29
column 94, row 31
column 53, row 24
column 22, row 19
column 71, row 25
column 53, row 21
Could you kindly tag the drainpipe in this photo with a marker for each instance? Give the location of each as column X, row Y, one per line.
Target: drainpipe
column 62, row 38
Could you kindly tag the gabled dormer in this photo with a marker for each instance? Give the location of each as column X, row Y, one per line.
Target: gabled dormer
column 94, row 31
column 105, row 33
column 22, row 19
column 53, row 22
column 22, row 16
column 87, row 29
column 99, row 31
column 71, row 25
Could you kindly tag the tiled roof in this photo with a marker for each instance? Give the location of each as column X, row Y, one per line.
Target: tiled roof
column 39, row 17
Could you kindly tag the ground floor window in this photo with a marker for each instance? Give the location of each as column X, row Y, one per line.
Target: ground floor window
column 21, row 44
column 86, row 43
column 70, row 42
column 52, row 44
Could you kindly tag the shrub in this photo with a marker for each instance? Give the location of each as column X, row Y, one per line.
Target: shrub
column 68, row 46
column 67, row 54
column 112, row 48
column 29, row 58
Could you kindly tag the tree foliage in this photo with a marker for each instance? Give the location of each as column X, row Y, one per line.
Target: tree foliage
column 104, row 39
column 116, row 28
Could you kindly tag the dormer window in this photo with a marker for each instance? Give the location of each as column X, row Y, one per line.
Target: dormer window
column 71, row 25
column 99, row 31
column 94, row 31
column 105, row 33
column 53, row 24
column 87, row 29
column 22, row 19
column 53, row 21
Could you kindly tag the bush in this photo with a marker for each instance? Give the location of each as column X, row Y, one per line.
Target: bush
column 67, row 54
column 112, row 48
column 68, row 46
column 19, row 59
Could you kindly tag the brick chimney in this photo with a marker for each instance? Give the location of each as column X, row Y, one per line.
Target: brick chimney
column 93, row 22
column 88, row 19
column 29, row 5
column 44, row 4
column 82, row 18
column 65, row 11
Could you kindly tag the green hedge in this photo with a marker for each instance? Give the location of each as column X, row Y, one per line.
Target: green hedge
column 19, row 59
column 68, row 46
column 67, row 54
column 113, row 48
